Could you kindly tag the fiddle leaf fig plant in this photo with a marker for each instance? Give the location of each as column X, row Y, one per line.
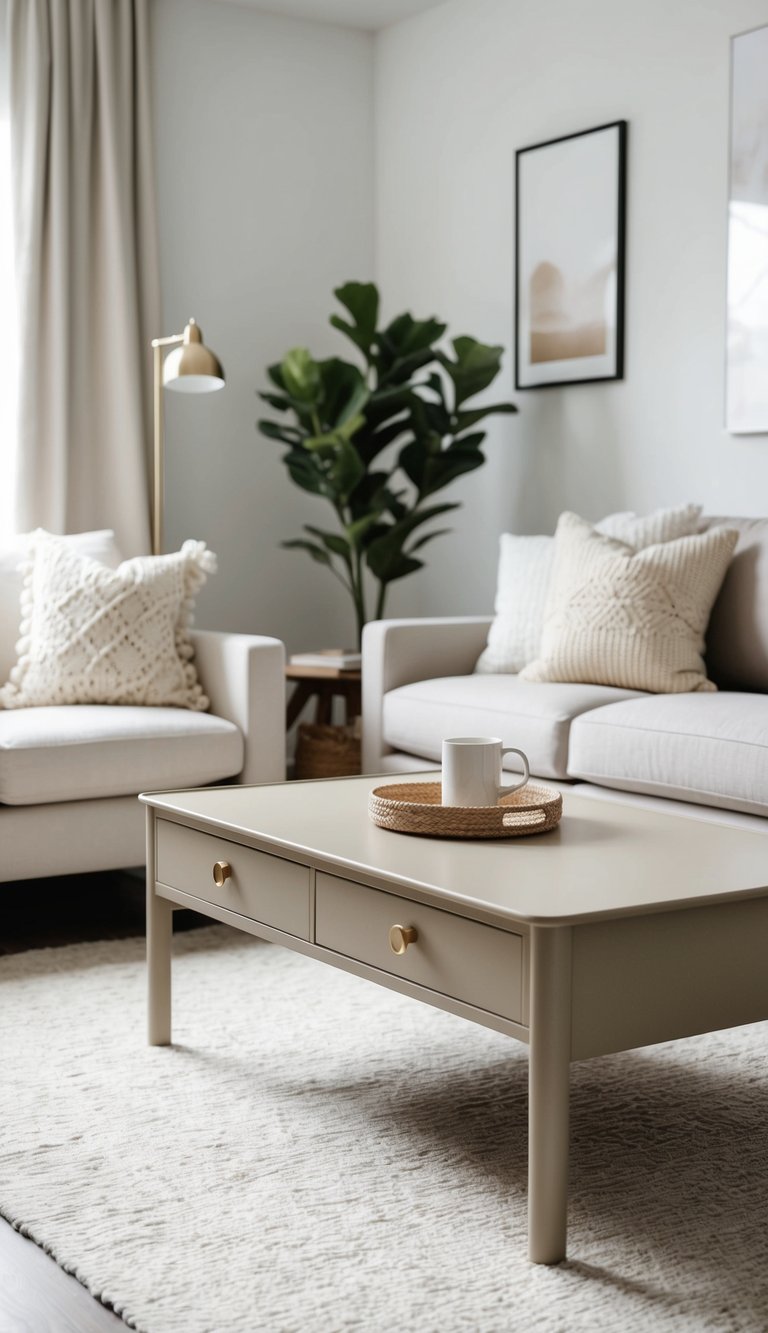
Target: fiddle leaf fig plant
column 378, row 437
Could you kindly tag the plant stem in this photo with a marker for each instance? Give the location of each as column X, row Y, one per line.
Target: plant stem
column 359, row 596
column 380, row 601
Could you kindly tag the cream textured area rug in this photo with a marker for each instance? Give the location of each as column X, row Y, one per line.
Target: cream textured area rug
column 316, row 1155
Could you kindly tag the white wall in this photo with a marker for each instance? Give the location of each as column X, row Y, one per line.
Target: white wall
column 458, row 90
column 265, row 182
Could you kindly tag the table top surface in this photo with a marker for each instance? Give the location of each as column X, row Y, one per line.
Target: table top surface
column 295, row 671
column 605, row 859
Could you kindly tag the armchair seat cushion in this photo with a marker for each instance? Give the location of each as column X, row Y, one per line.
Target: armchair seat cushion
column 76, row 752
column 710, row 749
column 535, row 717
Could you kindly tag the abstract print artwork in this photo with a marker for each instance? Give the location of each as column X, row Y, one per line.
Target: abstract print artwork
column 569, row 258
column 746, row 393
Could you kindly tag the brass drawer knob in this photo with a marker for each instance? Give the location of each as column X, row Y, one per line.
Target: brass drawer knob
column 401, row 936
column 221, row 872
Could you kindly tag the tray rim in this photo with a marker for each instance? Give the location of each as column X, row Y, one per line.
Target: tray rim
column 508, row 819
column 552, row 796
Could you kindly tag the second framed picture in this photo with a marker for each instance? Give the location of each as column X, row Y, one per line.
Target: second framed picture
column 569, row 258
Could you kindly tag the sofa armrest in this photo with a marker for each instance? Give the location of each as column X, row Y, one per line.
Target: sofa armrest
column 244, row 678
column 398, row 652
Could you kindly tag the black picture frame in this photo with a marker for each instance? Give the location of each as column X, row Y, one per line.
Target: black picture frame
column 572, row 302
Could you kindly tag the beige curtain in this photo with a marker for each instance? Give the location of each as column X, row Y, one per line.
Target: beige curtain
column 86, row 246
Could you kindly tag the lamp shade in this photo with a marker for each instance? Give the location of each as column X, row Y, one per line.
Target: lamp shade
column 192, row 367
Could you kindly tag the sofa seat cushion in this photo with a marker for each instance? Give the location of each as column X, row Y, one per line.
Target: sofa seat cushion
column 535, row 717
column 711, row 749
column 75, row 752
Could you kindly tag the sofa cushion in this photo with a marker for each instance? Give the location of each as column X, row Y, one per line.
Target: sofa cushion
column 75, row 752
column 711, row 749
column 737, row 637
column 534, row 717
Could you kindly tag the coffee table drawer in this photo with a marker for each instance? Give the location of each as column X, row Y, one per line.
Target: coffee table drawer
column 465, row 959
column 263, row 887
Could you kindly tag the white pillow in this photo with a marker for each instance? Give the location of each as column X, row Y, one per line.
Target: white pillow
column 634, row 619
column 662, row 525
column 93, row 635
column 525, row 568
column 13, row 552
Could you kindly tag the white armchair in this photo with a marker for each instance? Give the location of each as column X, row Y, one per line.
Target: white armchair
column 69, row 776
column 244, row 678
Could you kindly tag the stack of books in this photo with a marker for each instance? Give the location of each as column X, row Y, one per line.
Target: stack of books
column 340, row 659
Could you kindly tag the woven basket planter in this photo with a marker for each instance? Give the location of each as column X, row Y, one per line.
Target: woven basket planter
column 326, row 752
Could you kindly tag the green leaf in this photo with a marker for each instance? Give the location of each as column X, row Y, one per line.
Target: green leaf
column 405, row 334
column 275, row 430
column 368, row 494
column 451, row 464
column 301, row 375
column 360, row 528
column 333, row 541
column 373, row 442
column 344, row 392
column 280, row 401
column 474, row 440
column 390, row 565
column 318, row 553
column 347, row 470
column 470, row 417
column 385, row 555
column 361, row 299
column 476, row 365
column 416, row 456
column 275, row 373
column 402, row 367
column 305, row 471
column 428, row 537
column 333, row 439
column 387, row 402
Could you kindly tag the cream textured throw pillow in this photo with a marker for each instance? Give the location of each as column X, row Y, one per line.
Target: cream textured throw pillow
column 93, row 635
column 15, row 552
column 525, row 568
column 635, row 619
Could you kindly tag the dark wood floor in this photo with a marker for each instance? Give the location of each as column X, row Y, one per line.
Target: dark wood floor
column 36, row 1296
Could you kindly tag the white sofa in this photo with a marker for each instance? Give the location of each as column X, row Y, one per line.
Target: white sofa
column 703, row 750
column 69, row 776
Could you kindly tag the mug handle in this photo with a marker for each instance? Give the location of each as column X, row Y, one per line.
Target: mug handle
column 504, row 789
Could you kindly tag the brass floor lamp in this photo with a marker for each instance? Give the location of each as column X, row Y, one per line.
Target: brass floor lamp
column 190, row 368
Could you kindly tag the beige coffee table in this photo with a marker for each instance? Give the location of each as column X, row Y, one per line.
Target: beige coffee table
column 620, row 928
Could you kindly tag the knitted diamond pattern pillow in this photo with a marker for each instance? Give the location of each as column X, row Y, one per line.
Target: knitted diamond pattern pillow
column 635, row 619
column 525, row 569
column 94, row 635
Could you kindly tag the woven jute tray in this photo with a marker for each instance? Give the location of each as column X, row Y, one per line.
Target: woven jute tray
column 415, row 807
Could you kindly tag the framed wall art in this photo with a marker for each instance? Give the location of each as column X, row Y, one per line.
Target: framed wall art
column 570, row 198
column 746, row 377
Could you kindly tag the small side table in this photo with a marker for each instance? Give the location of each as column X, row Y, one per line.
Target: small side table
column 324, row 683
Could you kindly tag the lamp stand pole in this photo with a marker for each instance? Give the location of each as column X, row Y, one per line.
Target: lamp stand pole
column 158, row 469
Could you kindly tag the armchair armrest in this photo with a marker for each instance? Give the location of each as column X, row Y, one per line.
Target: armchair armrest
column 398, row 652
column 244, row 678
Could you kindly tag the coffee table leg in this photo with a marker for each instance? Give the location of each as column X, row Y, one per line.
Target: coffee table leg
column 548, row 1092
column 159, row 939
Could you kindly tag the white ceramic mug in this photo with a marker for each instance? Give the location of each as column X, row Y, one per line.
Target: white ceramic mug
column 472, row 770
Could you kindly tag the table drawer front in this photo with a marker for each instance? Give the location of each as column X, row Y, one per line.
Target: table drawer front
column 471, row 962
column 263, row 887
